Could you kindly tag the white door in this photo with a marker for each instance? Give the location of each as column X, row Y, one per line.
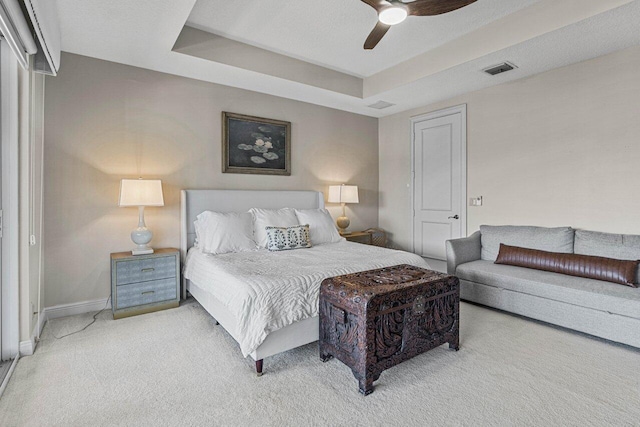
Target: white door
column 439, row 183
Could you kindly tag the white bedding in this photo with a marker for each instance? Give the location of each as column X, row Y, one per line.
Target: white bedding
column 266, row 291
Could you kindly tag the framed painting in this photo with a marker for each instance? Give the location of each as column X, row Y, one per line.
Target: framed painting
column 255, row 145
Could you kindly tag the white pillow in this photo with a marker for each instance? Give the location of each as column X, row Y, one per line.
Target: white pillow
column 285, row 217
column 321, row 225
column 221, row 233
column 196, row 225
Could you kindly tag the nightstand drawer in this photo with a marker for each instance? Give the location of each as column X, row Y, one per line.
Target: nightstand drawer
column 133, row 271
column 372, row 236
column 146, row 293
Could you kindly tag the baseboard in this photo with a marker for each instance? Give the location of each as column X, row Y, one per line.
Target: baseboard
column 5, row 381
column 65, row 310
column 27, row 348
column 437, row 265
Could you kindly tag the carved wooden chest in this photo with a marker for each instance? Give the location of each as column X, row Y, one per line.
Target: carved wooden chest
column 376, row 319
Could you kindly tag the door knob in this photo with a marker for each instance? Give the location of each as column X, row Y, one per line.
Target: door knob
column 454, row 217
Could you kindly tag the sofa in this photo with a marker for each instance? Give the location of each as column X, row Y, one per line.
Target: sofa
column 602, row 309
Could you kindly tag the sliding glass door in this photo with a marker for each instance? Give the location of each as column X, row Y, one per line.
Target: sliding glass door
column 2, row 353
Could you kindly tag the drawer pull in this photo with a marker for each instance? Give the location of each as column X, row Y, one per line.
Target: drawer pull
column 146, row 270
column 148, row 292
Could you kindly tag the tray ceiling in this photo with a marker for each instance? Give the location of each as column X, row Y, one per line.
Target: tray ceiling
column 332, row 32
column 311, row 50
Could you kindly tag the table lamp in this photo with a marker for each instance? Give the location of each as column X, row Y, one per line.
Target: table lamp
column 141, row 193
column 343, row 194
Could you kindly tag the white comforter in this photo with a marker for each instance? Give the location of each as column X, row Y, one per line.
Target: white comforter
column 266, row 291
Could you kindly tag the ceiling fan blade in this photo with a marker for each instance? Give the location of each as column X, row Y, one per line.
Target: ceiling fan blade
column 376, row 35
column 378, row 5
column 435, row 7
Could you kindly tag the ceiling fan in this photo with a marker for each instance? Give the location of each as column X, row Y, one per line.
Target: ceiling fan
column 392, row 12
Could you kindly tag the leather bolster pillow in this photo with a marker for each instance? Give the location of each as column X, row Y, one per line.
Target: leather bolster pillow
column 590, row 267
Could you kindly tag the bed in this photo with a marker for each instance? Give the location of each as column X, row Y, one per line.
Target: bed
column 267, row 301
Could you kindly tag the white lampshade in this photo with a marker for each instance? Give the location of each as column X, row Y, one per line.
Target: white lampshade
column 141, row 192
column 343, row 194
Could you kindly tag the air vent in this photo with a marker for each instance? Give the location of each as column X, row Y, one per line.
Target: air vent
column 499, row 69
column 381, row 105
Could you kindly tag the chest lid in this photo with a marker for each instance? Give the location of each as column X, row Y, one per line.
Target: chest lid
column 388, row 279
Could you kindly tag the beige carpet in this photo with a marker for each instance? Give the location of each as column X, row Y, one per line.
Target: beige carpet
column 176, row 367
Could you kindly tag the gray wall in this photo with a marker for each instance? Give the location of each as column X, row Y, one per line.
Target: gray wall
column 106, row 121
column 558, row 148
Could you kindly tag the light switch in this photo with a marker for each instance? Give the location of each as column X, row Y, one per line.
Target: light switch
column 475, row 201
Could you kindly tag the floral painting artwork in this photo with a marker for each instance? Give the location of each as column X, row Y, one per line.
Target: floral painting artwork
column 255, row 145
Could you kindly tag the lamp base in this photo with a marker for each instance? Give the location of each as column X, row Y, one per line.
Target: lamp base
column 142, row 251
column 343, row 223
column 141, row 236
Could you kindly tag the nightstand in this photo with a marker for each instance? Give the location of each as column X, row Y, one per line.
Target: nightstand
column 144, row 283
column 372, row 236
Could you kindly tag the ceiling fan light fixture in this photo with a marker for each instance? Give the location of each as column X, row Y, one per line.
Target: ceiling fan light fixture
column 392, row 15
column 393, row 12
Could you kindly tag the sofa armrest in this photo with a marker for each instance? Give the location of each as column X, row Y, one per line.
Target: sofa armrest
column 462, row 250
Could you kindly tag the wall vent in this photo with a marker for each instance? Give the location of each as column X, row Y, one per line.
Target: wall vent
column 381, row 105
column 499, row 69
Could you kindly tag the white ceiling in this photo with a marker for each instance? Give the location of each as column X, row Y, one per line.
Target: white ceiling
column 445, row 57
column 587, row 39
column 332, row 32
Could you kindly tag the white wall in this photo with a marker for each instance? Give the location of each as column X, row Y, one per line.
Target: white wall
column 559, row 148
column 106, row 121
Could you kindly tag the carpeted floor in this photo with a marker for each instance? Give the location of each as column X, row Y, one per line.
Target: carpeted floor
column 175, row 367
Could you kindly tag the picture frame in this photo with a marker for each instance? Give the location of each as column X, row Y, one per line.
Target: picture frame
column 255, row 145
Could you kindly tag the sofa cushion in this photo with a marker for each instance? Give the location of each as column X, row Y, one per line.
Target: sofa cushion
column 612, row 270
column 595, row 294
column 559, row 239
column 619, row 246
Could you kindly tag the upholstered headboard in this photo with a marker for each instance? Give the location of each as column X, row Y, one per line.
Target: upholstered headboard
column 194, row 202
